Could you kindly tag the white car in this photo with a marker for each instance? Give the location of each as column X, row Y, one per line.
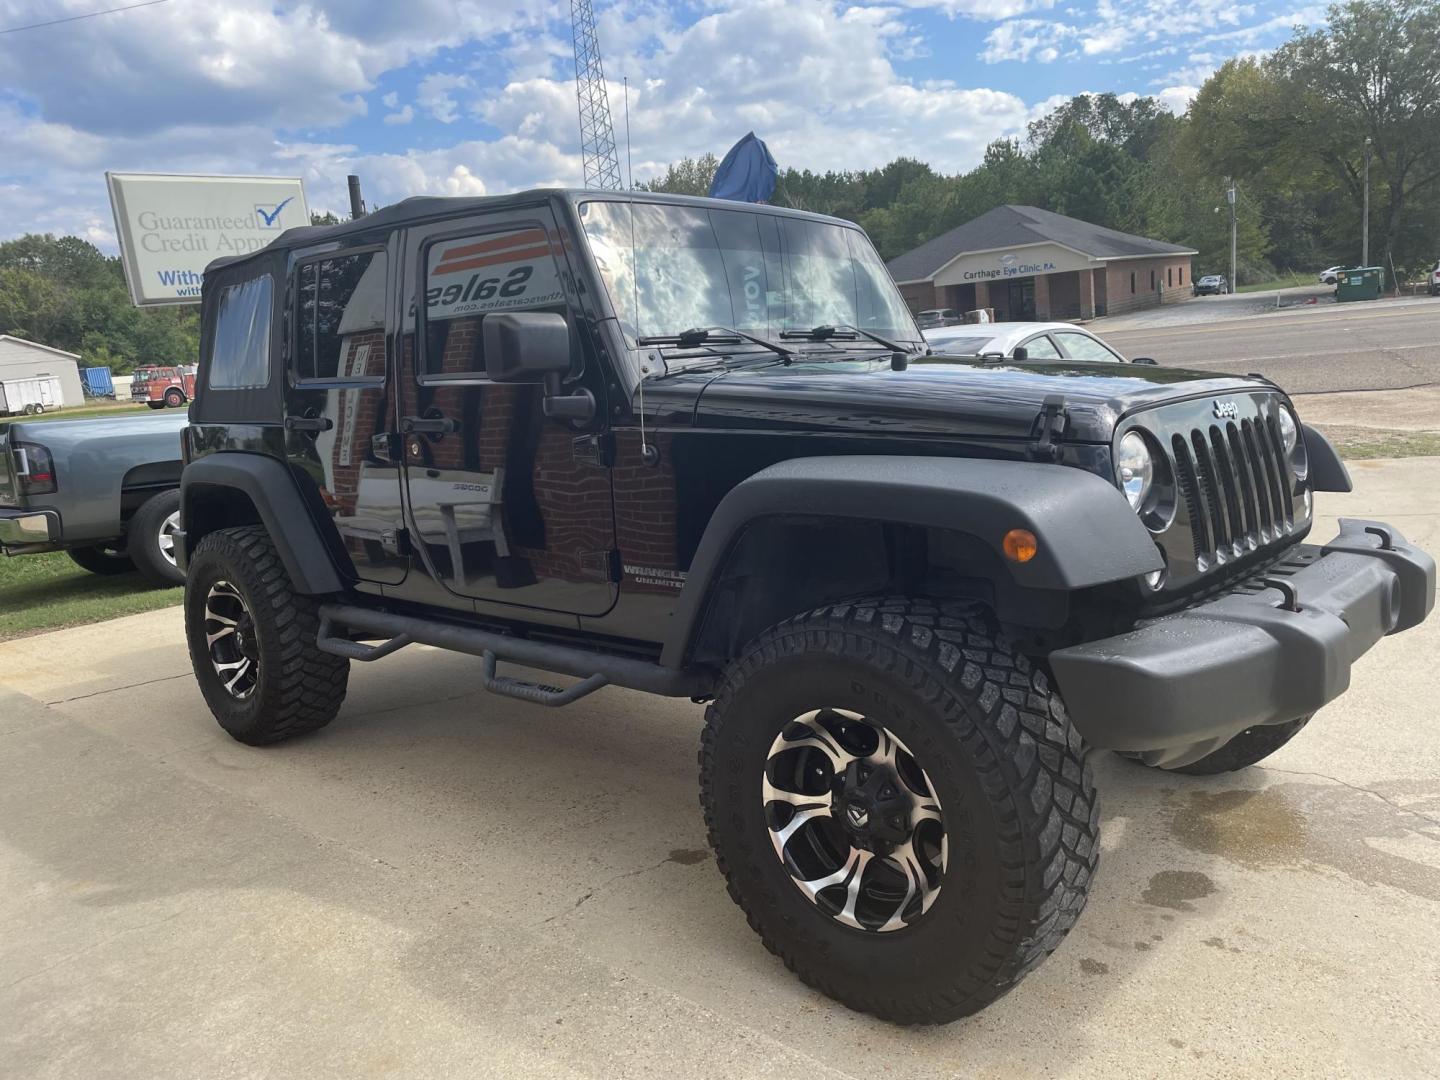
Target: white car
column 1331, row 275
column 1041, row 341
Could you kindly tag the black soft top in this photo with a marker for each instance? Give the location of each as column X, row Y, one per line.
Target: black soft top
column 426, row 207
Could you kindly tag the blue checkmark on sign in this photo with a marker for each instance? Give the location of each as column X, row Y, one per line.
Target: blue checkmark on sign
column 273, row 216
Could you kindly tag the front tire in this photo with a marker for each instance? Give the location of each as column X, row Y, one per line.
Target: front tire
column 252, row 641
column 1002, row 817
column 1250, row 746
column 156, row 404
column 151, row 542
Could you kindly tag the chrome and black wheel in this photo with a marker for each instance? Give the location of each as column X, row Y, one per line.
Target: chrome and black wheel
column 854, row 820
column 231, row 641
column 151, row 536
column 900, row 805
column 252, row 641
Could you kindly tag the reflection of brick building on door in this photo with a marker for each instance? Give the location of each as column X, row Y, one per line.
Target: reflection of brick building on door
column 361, row 355
column 645, row 521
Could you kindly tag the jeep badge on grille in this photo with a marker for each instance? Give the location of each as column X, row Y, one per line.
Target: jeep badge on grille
column 1226, row 410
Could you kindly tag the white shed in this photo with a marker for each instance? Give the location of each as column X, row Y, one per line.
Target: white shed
column 21, row 359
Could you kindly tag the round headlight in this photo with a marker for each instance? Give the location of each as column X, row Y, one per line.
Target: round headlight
column 1136, row 467
column 1289, row 430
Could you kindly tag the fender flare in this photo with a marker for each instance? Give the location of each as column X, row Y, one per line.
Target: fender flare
column 1087, row 532
column 268, row 484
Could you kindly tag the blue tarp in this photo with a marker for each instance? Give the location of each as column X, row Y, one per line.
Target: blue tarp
column 747, row 174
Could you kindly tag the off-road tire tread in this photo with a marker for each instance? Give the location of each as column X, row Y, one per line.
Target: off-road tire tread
column 1031, row 761
column 311, row 684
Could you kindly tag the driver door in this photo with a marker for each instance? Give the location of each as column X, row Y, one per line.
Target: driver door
column 506, row 507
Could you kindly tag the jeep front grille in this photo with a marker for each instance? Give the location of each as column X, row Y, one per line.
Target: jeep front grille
column 1234, row 481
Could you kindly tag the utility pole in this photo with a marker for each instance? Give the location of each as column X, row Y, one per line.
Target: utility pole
column 1365, row 212
column 1230, row 198
column 357, row 204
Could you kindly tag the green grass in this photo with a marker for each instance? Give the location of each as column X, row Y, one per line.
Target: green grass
column 1286, row 281
column 1356, row 443
column 46, row 592
column 86, row 412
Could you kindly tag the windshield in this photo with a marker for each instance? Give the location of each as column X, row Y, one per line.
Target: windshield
column 671, row 268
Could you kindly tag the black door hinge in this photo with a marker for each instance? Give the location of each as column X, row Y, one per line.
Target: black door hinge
column 595, row 449
column 617, row 566
column 1051, row 429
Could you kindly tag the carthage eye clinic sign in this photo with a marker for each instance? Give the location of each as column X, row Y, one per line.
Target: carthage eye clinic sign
column 170, row 227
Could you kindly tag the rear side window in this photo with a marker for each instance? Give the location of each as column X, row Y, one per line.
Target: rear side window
column 1042, row 348
column 1081, row 347
column 340, row 325
column 240, row 351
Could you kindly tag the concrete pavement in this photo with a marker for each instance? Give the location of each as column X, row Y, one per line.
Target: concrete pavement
column 1387, row 345
column 447, row 884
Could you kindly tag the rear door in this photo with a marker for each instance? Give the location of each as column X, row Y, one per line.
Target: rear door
column 507, row 506
column 338, row 397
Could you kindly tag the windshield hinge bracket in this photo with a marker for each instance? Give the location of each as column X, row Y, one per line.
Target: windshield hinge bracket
column 1050, row 423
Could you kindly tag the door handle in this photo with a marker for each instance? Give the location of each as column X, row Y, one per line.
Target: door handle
column 308, row 423
column 442, row 425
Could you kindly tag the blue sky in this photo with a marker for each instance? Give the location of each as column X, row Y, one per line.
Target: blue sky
column 476, row 96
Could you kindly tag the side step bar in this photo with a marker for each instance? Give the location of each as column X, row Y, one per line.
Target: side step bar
column 594, row 668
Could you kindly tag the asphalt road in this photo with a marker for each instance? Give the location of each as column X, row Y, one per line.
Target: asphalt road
column 1388, row 345
column 447, row 884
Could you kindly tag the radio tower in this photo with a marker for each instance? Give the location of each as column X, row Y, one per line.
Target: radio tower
column 597, row 135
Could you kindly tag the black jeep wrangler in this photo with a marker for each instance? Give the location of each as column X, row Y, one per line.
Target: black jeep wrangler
column 700, row 449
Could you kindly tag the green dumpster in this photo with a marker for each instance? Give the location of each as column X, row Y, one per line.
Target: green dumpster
column 1361, row 283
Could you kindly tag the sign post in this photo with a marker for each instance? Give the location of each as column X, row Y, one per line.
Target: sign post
column 171, row 227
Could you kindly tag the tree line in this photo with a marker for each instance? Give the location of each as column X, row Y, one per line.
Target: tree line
column 1290, row 128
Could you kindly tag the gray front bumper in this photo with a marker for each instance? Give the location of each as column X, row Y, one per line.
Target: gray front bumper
column 28, row 530
column 1183, row 685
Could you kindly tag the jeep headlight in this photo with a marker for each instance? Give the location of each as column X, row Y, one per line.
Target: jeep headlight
column 1136, row 468
column 1292, row 442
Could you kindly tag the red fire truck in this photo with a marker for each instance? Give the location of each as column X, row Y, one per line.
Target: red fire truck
column 163, row 387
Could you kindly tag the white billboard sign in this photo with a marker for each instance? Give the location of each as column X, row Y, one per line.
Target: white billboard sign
column 171, row 227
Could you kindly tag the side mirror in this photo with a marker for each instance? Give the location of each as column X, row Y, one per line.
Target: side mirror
column 531, row 347
column 1148, row 361
column 526, row 346
column 1020, row 354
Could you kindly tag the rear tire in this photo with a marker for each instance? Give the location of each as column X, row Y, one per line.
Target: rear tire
column 105, row 561
column 152, row 538
column 174, row 399
column 252, row 641
column 988, row 738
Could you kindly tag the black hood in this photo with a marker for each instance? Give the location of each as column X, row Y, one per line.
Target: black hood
column 938, row 395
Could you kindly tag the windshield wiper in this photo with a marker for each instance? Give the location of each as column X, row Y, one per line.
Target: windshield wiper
column 844, row 330
column 714, row 335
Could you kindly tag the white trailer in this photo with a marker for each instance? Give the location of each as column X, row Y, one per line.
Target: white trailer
column 39, row 394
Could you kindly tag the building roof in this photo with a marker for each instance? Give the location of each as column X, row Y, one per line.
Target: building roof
column 7, row 338
column 1016, row 226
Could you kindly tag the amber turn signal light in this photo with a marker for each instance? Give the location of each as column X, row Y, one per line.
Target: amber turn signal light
column 1020, row 545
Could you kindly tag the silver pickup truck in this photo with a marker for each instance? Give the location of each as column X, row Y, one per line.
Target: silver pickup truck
column 106, row 491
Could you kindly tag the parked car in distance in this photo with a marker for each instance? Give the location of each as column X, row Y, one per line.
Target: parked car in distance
column 106, row 491
column 1331, row 274
column 1023, row 341
column 1435, row 280
column 1212, row 285
column 163, row 387
column 937, row 317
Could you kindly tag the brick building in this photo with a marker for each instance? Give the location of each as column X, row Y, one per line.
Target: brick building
column 1028, row 263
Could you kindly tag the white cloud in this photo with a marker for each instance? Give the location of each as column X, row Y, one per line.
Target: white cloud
column 390, row 100
column 403, row 116
column 1024, row 40
column 435, row 95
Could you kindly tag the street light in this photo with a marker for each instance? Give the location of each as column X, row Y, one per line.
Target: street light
column 1365, row 213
